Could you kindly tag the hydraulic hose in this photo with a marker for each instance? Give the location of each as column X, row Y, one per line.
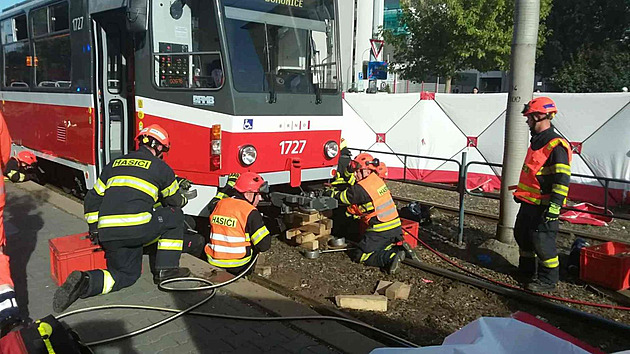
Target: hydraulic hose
column 516, row 292
column 395, row 338
column 551, row 297
column 520, row 295
column 212, row 288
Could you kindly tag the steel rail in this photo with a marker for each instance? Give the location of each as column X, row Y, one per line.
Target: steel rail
column 492, row 217
column 519, row 295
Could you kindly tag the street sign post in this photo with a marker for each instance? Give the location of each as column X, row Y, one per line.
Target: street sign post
column 377, row 47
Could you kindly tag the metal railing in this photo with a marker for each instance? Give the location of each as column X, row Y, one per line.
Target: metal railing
column 460, row 186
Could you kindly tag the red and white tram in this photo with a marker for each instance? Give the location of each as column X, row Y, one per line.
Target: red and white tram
column 240, row 85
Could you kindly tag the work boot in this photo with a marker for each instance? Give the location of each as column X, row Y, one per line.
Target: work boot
column 75, row 285
column 538, row 286
column 166, row 274
column 524, row 277
column 395, row 264
column 409, row 252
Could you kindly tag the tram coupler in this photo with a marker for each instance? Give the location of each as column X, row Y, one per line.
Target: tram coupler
column 287, row 202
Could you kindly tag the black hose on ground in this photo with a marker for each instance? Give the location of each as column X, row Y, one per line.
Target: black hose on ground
column 519, row 295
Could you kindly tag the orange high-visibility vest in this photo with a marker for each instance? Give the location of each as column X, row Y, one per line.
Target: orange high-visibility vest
column 228, row 239
column 528, row 188
column 384, row 207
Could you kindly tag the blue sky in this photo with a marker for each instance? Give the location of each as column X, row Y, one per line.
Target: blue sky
column 5, row 3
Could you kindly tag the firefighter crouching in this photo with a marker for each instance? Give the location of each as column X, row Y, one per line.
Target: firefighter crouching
column 542, row 190
column 371, row 201
column 120, row 211
column 237, row 230
column 23, row 168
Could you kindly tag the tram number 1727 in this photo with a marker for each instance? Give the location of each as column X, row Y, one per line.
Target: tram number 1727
column 291, row 147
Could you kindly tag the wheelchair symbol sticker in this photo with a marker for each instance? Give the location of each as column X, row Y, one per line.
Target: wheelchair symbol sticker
column 248, row 124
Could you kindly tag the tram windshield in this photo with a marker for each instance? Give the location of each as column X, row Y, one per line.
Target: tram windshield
column 284, row 46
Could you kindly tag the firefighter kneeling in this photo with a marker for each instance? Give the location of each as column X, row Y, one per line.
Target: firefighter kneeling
column 23, row 167
column 237, row 229
column 120, row 210
column 371, row 201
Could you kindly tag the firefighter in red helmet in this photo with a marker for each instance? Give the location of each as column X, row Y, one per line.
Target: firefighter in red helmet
column 23, row 167
column 237, row 229
column 370, row 200
column 120, row 212
column 542, row 190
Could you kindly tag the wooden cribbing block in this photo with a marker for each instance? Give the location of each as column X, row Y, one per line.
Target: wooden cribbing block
column 398, row 290
column 305, row 237
column 291, row 233
column 311, row 246
column 382, row 286
column 304, row 219
column 362, row 302
column 328, row 223
column 316, row 228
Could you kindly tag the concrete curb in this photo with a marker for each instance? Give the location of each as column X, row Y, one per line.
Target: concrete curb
column 331, row 333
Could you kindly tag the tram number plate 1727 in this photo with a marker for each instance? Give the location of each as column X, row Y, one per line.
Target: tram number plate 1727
column 292, row 147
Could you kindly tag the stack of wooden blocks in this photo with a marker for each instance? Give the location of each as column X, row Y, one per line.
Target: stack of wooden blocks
column 309, row 231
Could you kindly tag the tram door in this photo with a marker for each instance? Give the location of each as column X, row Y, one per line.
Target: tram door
column 113, row 55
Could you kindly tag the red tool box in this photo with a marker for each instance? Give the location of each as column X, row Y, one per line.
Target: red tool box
column 410, row 232
column 73, row 252
column 607, row 265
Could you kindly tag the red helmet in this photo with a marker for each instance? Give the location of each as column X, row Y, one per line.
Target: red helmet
column 364, row 161
column 381, row 170
column 544, row 105
column 155, row 132
column 251, row 182
column 26, row 157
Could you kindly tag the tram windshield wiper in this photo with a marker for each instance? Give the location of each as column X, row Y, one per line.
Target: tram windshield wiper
column 270, row 75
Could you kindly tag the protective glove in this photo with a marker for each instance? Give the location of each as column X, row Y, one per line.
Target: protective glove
column 232, row 177
column 184, row 183
column 329, row 192
column 93, row 236
column 353, row 166
column 10, row 309
column 552, row 213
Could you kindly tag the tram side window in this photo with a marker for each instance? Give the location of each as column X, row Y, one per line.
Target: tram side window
column 183, row 28
column 15, row 49
column 52, row 46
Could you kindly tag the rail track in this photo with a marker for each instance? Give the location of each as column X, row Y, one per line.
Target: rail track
column 491, row 217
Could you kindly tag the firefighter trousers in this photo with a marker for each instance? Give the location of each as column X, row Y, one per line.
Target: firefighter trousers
column 163, row 243
column 536, row 240
column 376, row 249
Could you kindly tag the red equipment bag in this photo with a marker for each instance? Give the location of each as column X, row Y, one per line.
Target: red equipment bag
column 46, row 336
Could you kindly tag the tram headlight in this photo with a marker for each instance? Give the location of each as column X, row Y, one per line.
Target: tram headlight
column 247, row 155
column 331, row 149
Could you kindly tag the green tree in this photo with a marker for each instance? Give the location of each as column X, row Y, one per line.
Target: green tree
column 588, row 46
column 447, row 36
column 577, row 24
column 599, row 69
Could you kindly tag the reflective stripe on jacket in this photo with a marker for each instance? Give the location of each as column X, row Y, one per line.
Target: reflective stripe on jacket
column 381, row 206
column 528, row 189
column 228, row 238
